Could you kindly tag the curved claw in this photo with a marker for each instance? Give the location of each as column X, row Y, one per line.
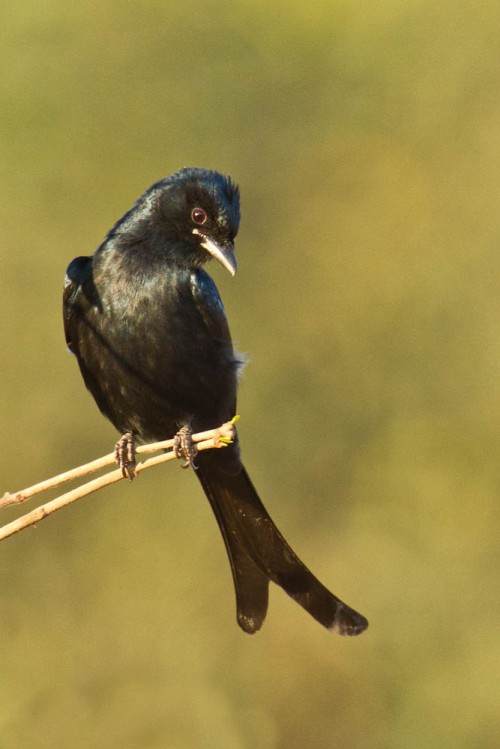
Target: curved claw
column 125, row 455
column 184, row 447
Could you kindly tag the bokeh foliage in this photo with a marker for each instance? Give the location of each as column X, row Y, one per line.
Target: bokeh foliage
column 366, row 141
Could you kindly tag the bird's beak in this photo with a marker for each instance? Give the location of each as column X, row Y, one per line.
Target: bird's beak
column 223, row 253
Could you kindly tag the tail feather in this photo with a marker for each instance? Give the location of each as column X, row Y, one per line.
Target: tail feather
column 250, row 584
column 258, row 553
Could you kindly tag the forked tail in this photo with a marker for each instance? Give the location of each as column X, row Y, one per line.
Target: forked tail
column 258, row 553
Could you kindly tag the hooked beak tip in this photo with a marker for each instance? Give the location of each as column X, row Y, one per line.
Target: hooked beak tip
column 223, row 253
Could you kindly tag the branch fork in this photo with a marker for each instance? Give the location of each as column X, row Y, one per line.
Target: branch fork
column 212, row 439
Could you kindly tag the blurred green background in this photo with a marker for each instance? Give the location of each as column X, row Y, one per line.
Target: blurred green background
column 366, row 142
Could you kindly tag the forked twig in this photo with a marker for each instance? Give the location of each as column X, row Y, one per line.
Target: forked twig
column 214, row 438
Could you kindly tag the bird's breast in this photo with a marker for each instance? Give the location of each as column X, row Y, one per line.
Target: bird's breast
column 159, row 362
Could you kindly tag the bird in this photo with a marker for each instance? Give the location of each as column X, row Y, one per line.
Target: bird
column 148, row 328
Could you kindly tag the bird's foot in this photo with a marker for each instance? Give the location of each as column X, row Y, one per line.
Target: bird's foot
column 125, row 455
column 184, row 447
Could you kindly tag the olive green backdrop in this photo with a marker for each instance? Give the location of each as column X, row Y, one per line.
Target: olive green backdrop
column 366, row 142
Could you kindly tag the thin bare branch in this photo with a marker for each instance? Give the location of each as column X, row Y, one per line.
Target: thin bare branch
column 214, row 438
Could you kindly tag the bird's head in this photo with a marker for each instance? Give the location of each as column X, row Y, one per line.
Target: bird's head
column 202, row 208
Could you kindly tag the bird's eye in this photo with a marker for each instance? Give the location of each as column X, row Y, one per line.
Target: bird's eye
column 198, row 215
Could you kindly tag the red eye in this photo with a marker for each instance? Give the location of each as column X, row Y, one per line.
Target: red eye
column 198, row 215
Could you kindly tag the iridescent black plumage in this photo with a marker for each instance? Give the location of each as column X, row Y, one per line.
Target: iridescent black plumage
column 148, row 328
